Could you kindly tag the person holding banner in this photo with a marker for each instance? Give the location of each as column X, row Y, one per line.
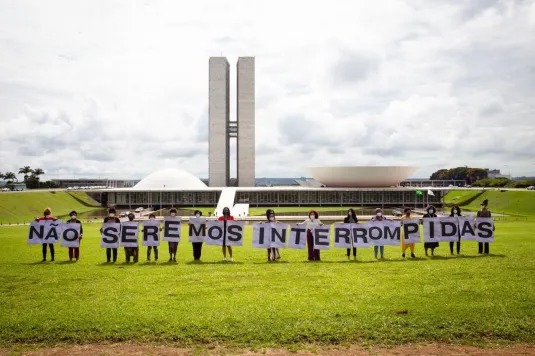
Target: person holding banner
column 351, row 218
column 197, row 246
column 149, row 248
column 74, row 252
column 173, row 246
column 111, row 218
column 379, row 249
column 430, row 245
column 456, row 211
column 404, row 245
column 47, row 215
column 272, row 252
column 226, row 216
column 483, row 247
column 131, row 252
column 310, row 223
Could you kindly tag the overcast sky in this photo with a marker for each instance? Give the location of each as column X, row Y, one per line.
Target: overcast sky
column 120, row 88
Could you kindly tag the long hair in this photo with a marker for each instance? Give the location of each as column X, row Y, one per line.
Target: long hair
column 270, row 212
column 455, row 211
column 352, row 214
column 316, row 215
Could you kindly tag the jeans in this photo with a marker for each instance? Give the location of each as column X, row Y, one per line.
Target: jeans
column 377, row 249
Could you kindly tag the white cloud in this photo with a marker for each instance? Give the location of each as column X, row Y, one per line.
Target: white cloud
column 121, row 88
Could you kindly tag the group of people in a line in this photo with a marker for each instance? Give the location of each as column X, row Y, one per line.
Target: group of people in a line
column 273, row 254
column 74, row 252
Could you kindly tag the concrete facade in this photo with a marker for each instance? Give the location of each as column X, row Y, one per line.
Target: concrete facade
column 219, row 117
column 246, row 121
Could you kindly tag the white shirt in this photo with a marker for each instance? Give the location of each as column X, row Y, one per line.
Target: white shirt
column 309, row 224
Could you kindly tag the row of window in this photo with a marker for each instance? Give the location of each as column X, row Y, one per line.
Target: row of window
column 275, row 198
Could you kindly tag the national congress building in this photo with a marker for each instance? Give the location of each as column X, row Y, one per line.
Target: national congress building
column 222, row 129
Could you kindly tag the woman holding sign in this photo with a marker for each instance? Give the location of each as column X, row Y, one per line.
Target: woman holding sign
column 197, row 246
column 483, row 247
column 47, row 216
column 111, row 218
column 430, row 245
column 379, row 249
column 173, row 246
column 226, row 216
column 155, row 248
column 456, row 211
column 404, row 246
column 74, row 252
column 310, row 223
column 351, row 218
column 272, row 252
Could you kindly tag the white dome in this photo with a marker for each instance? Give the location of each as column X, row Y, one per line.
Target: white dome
column 361, row 176
column 170, row 179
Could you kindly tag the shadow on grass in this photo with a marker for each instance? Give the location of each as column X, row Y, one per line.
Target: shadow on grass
column 215, row 263
column 66, row 262
column 38, row 263
column 274, row 263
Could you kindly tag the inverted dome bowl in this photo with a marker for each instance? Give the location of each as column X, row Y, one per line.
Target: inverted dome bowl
column 361, row 176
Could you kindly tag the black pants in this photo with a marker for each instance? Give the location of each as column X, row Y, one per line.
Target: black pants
column 483, row 247
column 197, row 248
column 173, row 246
column 354, row 252
column 131, row 252
column 458, row 246
column 313, row 254
column 51, row 246
column 109, row 253
column 149, row 248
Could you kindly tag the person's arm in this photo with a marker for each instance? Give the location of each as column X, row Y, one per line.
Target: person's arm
column 81, row 228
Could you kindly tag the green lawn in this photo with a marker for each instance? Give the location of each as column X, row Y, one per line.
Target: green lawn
column 459, row 197
column 508, row 202
column 467, row 299
column 24, row 206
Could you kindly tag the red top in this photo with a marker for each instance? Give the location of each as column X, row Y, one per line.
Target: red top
column 49, row 217
column 222, row 218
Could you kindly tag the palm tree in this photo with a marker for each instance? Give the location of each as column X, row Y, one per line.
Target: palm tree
column 37, row 172
column 26, row 170
column 2, row 176
column 10, row 176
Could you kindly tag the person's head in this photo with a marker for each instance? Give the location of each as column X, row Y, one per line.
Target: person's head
column 455, row 210
column 131, row 216
column 313, row 215
column 47, row 212
column 197, row 213
column 172, row 212
column 430, row 209
column 152, row 216
column 73, row 214
column 484, row 204
column 351, row 214
column 379, row 212
column 111, row 212
column 226, row 211
column 270, row 215
column 407, row 212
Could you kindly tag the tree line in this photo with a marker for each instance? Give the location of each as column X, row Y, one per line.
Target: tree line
column 30, row 178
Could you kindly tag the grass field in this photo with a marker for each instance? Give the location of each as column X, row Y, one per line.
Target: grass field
column 467, row 299
column 24, row 206
column 508, row 202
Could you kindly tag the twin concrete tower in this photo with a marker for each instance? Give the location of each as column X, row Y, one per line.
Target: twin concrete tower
column 221, row 129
